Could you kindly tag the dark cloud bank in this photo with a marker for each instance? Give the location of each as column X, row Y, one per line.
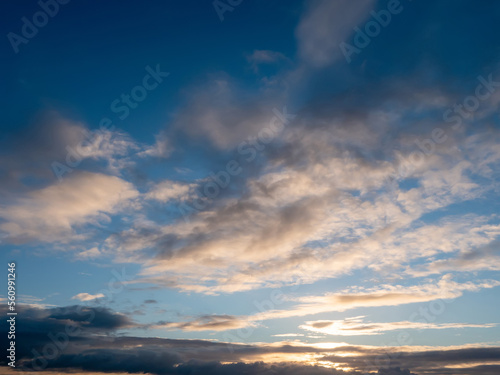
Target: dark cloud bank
column 82, row 338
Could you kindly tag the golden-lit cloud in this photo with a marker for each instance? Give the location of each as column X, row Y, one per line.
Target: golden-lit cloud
column 357, row 326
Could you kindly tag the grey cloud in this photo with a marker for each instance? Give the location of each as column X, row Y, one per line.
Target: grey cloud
column 91, row 350
column 207, row 323
column 325, row 25
column 220, row 112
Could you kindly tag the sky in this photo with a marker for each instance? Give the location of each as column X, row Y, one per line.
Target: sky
column 251, row 187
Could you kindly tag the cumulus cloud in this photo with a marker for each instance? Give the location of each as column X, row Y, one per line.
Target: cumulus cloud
column 87, row 296
column 54, row 212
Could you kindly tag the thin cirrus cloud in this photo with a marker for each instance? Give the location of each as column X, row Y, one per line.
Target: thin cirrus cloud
column 325, row 25
column 206, row 323
column 382, row 296
column 386, row 295
column 357, row 326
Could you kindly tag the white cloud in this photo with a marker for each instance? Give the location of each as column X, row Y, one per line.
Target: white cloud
column 357, row 326
column 89, row 254
column 170, row 190
column 87, row 297
column 53, row 213
column 384, row 295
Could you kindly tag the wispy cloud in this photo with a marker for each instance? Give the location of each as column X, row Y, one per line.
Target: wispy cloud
column 325, row 25
column 357, row 326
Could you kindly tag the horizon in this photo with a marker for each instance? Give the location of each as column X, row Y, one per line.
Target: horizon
column 250, row 187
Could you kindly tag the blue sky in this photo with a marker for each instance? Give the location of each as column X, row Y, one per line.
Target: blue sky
column 314, row 182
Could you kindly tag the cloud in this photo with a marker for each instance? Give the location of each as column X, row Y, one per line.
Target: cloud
column 31, row 151
column 358, row 327
column 89, row 254
column 266, row 57
column 89, row 350
column 325, row 25
column 92, row 347
column 161, row 149
column 40, row 323
column 52, row 138
column 207, row 323
column 315, row 205
column 340, row 190
column 384, row 295
column 224, row 114
column 115, row 147
column 52, row 146
column 289, row 335
column 87, row 296
column 170, row 190
column 318, row 205
column 53, row 213
column 484, row 257
column 380, row 233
